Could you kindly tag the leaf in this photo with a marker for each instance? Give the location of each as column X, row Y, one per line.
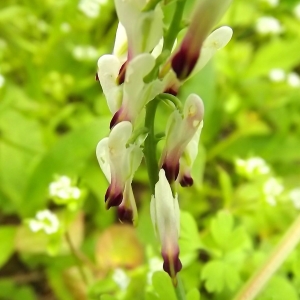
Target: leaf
column 68, row 156
column 7, row 237
column 107, row 297
column 163, row 286
column 193, row 294
column 151, row 296
column 226, row 186
column 279, row 288
column 282, row 54
column 221, row 228
column 189, row 235
column 213, row 275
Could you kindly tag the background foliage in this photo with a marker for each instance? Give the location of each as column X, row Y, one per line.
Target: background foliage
column 53, row 113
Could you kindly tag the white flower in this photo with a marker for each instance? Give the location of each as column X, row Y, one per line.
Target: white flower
column 91, row 8
column 85, row 53
column 179, row 132
column 252, row 167
column 144, row 29
column 206, row 14
column 272, row 188
column 44, row 220
column 137, row 93
column 154, row 266
column 295, row 197
column 297, row 11
column 268, row 25
column 62, row 188
column 2, row 81
column 127, row 100
column 277, row 75
column 118, row 161
column 121, row 279
column 293, row 79
column 165, row 215
column 65, row 27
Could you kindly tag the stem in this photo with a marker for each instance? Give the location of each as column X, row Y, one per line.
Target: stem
column 150, row 144
column 175, row 26
column 77, row 259
column 287, row 244
column 179, row 290
column 173, row 99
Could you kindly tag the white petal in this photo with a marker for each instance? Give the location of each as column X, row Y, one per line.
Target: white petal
column 215, row 41
column 103, row 157
column 119, row 136
column 191, row 150
column 120, row 47
column 108, row 71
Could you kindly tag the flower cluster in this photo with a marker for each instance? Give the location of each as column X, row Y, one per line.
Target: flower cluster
column 145, row 69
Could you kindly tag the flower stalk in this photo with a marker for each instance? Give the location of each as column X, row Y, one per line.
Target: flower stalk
column 259, row 279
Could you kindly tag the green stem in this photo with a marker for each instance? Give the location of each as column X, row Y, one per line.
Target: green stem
column 77, row 259
column 179, row 290
column 175, row 26
column 287, row 244
column 150, row 144
column 173, row 99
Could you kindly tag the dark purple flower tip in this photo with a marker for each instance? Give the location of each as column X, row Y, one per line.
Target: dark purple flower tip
column 122, row 73
column 186, row 181
column 172, row 91
column 183, row 62
column 96, row 77
column 172, row 264
column 115, row 119
column 112, row 199
column 125, row 214
column 118, row 117
column 171, row 171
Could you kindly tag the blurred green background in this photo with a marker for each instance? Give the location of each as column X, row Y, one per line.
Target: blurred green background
column 53, row 113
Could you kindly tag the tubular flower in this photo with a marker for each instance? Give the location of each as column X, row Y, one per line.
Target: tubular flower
column 179, row 132
column 188, row 158
column 137, row 93
column 165, row 217
column 118, row 161
column 207, row 13
column 144, row 29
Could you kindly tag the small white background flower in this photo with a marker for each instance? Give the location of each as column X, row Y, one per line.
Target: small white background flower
column 44, row 220
column 121, row 278
column 268, row 25
column 62, row 188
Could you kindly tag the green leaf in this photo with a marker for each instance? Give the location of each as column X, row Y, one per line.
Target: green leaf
column 226, row 186
column 107, row 297
column 7, row 237
column 282, row 54
column 221, row 228
column 189, row 235
column 193, row 294
column 163, row 286
column 279, row 288
column 69, row 156
column 151, row 296
column 213, row 275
